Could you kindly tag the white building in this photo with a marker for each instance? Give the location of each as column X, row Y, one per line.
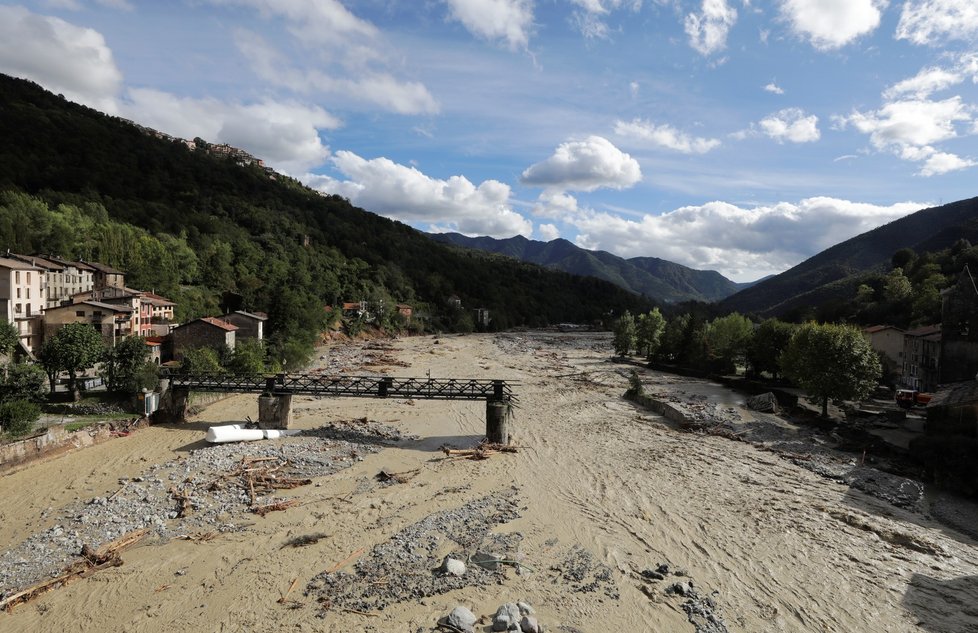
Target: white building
column 22, row 300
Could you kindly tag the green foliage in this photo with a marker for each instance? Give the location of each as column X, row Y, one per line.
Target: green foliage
column 770, row 339
column 896, row 286
column 648, row 332
column 674, row 337
column 8, row 338
column 73, row 349
column 125, row 363
column 624, row 334
column 24, row 381
column 635, row 387
column 17, row 417
column 831, row 361
column 727, row 340
column 201, row 360
column 248, row 358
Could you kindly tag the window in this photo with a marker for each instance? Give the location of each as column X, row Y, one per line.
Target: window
column 28, row 277
column 18, row 309
column 18, row 293
column 28, row 309
column 28, row 290
column 16, row 276
column 79, row 313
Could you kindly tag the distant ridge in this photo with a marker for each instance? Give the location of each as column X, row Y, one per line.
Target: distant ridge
column 652, row 277
column 836, row 272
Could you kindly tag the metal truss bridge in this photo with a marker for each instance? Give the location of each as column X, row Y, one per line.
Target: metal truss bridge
column 349, row 386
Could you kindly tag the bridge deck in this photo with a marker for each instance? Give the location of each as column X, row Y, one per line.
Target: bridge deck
column 350, row 386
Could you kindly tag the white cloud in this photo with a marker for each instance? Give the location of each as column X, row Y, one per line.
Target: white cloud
column 341, row 55
column 548, row 232
column 508, row 20
column 590, row 18
column 556, row 205
column 405, row 193
column 830, row 24
column 742, row 243
column 791, row 124
column 923, row 84
column 774, row 88
column 284, row 134
column 708, row 30
column 665, row 136
column 62, row 57
column 942, row 163
column 584, row 166
column 911, row 123
column 910, row 128
column 936, row 21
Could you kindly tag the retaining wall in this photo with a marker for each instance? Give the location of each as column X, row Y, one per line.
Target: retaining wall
column 57, row 438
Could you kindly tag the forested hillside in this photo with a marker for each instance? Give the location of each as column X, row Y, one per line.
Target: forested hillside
column 658, row 279
column 833, row 275
column 81, row 184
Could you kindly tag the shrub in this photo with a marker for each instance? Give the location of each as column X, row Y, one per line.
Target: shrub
column 17, row 417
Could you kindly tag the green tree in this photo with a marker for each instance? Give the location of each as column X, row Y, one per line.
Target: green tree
column 624, row 338
column 727, row 339
column 831, row 361
column 648, row 332
column 8, row 338
column 74, row 348
column 24, row 381
column 47, row 356
column 124, row 364
column 201, row 360
column 248, row 358
column 770, row 340
column 896, row 286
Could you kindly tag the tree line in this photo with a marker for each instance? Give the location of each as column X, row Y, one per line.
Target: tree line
column 829, row 361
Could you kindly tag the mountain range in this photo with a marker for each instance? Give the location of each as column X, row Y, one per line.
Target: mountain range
column 658, row 279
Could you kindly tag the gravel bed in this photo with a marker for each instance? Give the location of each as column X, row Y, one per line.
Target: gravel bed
column 215, row 502
column 407, row 566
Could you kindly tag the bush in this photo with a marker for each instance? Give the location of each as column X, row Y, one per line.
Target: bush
column 23, row 382
column 17, row 417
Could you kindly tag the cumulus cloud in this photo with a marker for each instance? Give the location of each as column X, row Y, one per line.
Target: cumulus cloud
column 665, row 136
column 936, row 21
column 742, row 243
column 62, row 57
column 284, row 134
column 548, row 232
column 791, row 124
column 584, row 166
column 911, row 127
column 708, row 29
column 924, row 83
column 556, row 205
column 405, row 193
column 830, row 24
column 509, row 21
column 774, row 88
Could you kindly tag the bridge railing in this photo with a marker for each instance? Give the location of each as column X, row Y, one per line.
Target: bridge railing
column 350, row 386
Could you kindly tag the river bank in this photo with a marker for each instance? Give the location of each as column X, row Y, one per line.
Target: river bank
column 601, row 496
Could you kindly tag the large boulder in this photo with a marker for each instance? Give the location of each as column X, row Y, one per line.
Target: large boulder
column 765, row 403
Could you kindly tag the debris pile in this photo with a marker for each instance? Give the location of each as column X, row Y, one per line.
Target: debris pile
column 210, row 490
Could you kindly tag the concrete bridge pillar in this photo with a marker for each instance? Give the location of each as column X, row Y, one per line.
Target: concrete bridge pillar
column 275, row 411
column 173, row 405
column 498, row 415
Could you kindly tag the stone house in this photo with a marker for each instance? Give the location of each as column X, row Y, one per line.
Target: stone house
column 250, row 324
column 112, row 321
column 106, row 277
column 887, row 340
column 22, row 301
column 203, row 332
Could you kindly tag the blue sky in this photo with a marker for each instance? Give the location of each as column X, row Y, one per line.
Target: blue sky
column 736, row 135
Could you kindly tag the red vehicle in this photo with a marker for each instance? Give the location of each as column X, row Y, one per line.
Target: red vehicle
column 907, row 398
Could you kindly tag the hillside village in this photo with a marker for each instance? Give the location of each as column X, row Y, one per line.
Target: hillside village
column 39, row 295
